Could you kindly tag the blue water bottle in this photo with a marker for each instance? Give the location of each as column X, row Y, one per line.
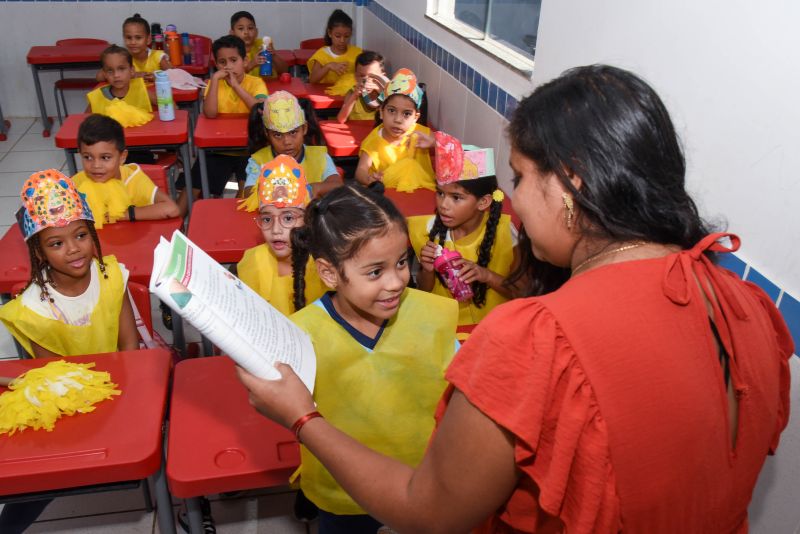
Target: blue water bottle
column 266, row 68
column 166, row 106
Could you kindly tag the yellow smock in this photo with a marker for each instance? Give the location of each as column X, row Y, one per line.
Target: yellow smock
column 100, row 335
column 323, row 56
column 404, row 167
column 227, row 99
column 109, row 200
column 360, row 111
column 253, row 52
column 468, row 246
column 151, row 64
column 259, row 270
column 384, row 398
column 134, row 109
column 314, row 163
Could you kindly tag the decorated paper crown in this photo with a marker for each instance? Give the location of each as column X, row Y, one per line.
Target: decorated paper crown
column 404, row 82
column 455, row 162
column 282, row 112
column 50, row 199
column 282, row 183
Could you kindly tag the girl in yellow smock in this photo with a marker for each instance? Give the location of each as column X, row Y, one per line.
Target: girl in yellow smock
column 125, row 98
column 337, row 59
column 267, row 269
column 136, row 34
column 397, row 151
column 76, row 301
column 381, row 347
column 282, row 127
column 468, row 220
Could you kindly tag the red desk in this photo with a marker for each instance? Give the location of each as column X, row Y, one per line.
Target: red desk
column 302, row 55
column 222, row 231
column 121, row 441
column 217, row 441
column 172, row 135
column 320, row 99
column 287, row 56
column 295, row 86
column 223, row 132
column 73, row 57
column 344, row 140
column 131, row 242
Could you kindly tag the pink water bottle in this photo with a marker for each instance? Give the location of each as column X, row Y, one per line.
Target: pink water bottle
column 445, row 265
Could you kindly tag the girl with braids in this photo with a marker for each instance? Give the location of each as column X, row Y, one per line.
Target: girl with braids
column 267, row 269
column 468, row 220
column 382, row 348
column 76, row 302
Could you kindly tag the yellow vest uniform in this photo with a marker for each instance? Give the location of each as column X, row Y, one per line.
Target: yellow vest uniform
column 100, row 335
column 404, row 167
column 227, row 99
column 323, row 57
column 253, row 52
column 468, row 246
column 360, row 112
column 314, row 163
column 384, row 398
column 259, row 270
column 151, row 64
column 136, row 97
column 109, row 200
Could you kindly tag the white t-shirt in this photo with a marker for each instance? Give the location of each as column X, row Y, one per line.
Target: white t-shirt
column 76, row 311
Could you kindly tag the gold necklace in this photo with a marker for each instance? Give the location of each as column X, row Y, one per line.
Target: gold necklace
column 606, row 253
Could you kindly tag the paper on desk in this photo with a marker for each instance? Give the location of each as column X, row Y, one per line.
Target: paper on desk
column 226, row 311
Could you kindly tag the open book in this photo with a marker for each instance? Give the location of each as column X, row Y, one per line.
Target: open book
column 227, row 312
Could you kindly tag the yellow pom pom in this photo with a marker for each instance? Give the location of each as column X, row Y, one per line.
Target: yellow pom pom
column 41, row 396
column 498, row 195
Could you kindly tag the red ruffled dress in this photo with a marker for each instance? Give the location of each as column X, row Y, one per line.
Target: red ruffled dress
column 613, row 389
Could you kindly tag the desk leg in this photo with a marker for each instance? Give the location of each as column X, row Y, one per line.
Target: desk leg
column 187, row 175
column 46, row 124
column 195, row 514
column 201, row 155
column 208, row 347
column 178, row 338
column 73, row 169
column 166, row 521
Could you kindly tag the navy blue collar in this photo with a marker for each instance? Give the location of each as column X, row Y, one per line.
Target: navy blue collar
column 363, row 339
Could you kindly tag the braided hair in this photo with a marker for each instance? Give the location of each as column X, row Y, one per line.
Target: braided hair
column 337, row 226
column 477, row 187
column 40, row 268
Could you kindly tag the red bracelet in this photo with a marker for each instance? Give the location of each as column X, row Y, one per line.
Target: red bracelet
column 300, row 423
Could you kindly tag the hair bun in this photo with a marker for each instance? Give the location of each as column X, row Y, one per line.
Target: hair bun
column 137, row 16
column 377, row 187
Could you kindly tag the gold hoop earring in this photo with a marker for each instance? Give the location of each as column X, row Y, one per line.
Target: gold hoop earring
column 569, row 209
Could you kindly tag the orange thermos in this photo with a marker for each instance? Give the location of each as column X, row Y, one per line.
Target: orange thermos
column 173, row 47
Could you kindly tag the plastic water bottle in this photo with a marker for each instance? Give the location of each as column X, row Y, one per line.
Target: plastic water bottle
column 186, row 46
column 444, row 264
column 266, row 68
column 166, row 106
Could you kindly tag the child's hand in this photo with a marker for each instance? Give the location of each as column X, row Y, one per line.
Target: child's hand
column 423, row 141
column 220, row 75
column 375, row 177
column 284, row 401
column 427, row 255
column 376, row 82
column 338, row 68
column 470, row 272
column 260, row 60
column 232, row 81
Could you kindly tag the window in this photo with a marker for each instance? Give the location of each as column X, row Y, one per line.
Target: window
column 505, row 28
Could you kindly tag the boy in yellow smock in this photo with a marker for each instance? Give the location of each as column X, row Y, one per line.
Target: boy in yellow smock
column 243, row 26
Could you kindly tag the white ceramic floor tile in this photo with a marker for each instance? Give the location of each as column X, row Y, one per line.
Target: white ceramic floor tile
column 114, row 523
column 32, row 161
column 34, row 142
column 21, row 124
column 36, row 127
column 11, row 183
column 8, row 206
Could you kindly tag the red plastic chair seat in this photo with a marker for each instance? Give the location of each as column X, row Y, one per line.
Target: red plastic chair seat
column 313, row 44
column 68, row 84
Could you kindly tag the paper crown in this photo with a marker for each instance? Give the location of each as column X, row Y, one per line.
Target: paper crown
column 282, row 183
column 404, row 82
column 282, row 112
column 50, row 199
column 455, row 162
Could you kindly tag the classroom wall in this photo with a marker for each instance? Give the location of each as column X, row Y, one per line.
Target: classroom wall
column 286, row 22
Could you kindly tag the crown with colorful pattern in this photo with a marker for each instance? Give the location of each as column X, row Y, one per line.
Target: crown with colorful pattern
column 282, row 183
column 282, row 112
column 50, row 199
column 455, row 162
column 404, row 82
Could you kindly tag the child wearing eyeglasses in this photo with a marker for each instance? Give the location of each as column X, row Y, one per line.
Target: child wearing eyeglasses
column 283, row 194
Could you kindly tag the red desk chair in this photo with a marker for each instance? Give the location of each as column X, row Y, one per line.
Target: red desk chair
column 313, row 44
column 72, row 84
column 162, row 172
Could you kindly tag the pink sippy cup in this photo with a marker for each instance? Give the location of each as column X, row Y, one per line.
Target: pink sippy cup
column 444, row 264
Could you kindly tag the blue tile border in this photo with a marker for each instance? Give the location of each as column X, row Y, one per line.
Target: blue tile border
column 764, row 283
column 790, row 309
column 491, row 94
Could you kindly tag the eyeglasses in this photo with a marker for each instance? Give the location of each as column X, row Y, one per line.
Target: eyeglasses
column 287, row 220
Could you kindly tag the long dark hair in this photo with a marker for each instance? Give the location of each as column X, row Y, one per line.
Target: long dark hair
column 137, row 19
column 257, row 134
column 478, row 188
column 610, row 128
column 337, row 18
column 337, row 226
